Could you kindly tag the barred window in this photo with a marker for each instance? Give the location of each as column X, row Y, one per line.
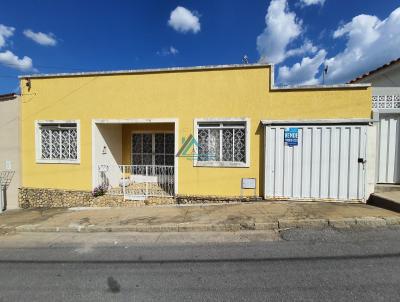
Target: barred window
column 222, row 142
column 58, row 141
column 153, row 149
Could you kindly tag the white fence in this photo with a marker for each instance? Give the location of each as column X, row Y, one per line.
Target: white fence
column 5, row 180
column 142, row 181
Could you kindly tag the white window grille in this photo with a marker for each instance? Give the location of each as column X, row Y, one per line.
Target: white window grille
column 386, row 102
column 223, row 142
column 58, row 142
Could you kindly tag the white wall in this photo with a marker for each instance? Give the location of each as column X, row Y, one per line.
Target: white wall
column 386, row 81
column 10, row 146
column 110, row 137
column 372, row 132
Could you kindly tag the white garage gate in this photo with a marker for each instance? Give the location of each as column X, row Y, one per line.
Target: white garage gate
column 327, row 163
column 388, row 165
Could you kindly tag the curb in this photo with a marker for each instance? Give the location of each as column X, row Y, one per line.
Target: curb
column 302, row 223
column 341, row 223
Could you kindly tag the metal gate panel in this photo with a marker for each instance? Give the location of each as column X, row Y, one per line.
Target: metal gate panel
column 324, row 165
column 389, row 149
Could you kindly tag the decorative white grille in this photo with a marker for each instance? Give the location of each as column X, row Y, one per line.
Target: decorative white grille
column 58, row 141
column 386, row 102
column 222, row 142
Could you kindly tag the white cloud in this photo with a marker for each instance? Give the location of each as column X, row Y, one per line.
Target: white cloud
column 41, row 38
column 303, row 73
column 183, row 20
column 173, row 50
column 370, row 44
column 312, row 2
column 5, row 32
column 168, row 51
column 282, row 27
column 9, row 59
column 307, row 47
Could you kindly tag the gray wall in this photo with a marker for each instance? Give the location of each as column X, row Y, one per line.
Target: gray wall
column 10, row 146
column 385, row 82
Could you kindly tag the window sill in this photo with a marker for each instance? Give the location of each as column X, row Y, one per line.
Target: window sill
column 58, row 161
column 220, row 164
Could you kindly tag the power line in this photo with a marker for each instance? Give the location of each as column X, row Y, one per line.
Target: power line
column 72, row 91
column 54, row 67
column 7, row 76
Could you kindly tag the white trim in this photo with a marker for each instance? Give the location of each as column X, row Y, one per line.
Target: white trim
column 137, row 121
column 264, row 163
column 176, row 157
column 375, row 115
column 221, row 164
column 38, row 153
column 317, row 121
column 144, row 71
column 94, row 166
column 151, row 131
column 320, row 87
column 388, row 111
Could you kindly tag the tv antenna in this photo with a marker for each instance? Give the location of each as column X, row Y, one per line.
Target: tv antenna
column 325, row 72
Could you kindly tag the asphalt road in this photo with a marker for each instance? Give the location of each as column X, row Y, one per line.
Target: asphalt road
column 298, row 265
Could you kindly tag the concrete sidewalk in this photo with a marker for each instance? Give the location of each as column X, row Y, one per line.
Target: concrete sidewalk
column 387, row 200
column 226, row 217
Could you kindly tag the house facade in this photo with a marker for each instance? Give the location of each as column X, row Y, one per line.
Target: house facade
column 9, row 150
column 201, row 131
column 385, row 82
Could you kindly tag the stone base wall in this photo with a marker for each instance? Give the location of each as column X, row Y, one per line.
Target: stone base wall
column 57, row 198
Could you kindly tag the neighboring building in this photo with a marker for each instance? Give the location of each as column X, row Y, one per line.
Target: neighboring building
column 124, row 129
column 385, row 82
column 10, row 147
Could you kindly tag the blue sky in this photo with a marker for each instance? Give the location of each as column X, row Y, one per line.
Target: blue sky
column 299, row 36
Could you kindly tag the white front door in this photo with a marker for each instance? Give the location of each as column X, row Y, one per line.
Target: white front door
column 328, row 162
column 388, row 164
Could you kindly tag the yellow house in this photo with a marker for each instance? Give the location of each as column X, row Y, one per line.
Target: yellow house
column 198, row 131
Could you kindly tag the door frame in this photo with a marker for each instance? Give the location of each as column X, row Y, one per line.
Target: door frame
column 174, row 121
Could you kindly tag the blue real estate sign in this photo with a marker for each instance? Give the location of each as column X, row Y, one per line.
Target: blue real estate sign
column 291, row 136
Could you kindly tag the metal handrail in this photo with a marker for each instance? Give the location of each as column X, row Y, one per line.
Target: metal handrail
column 144, row 181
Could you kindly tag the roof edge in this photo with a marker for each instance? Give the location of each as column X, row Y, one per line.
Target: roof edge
column 374, row 71
column 141, row 71
column 196, row 68
column 8, row 96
